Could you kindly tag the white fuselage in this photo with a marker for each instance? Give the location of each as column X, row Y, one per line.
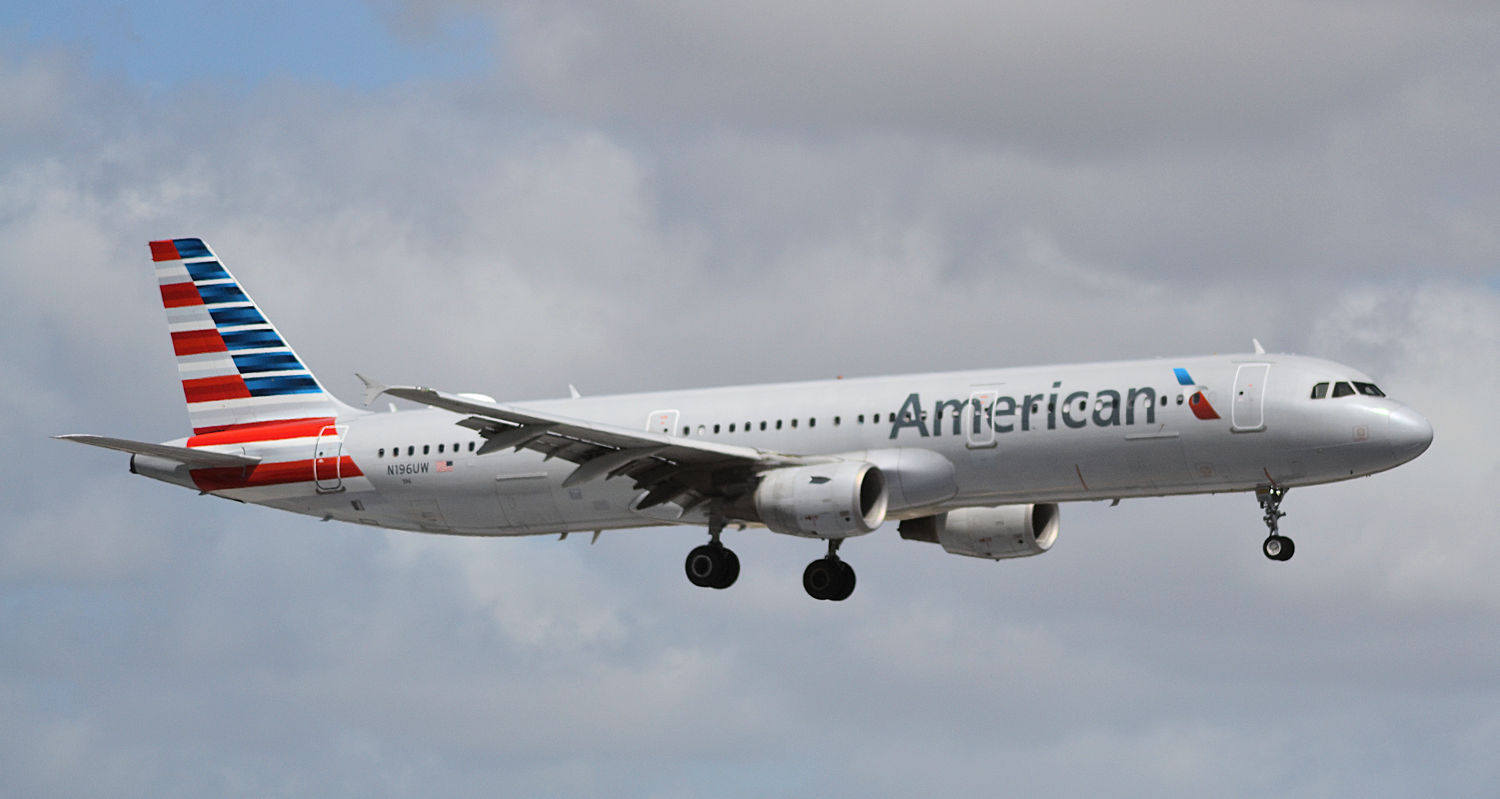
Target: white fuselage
column 957, row 439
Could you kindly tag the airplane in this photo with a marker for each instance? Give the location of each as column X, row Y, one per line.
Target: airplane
column 973, row 461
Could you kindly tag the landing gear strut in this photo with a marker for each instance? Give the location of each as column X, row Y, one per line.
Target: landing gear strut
column 828, row 577
column 713, row 565
column 1276, row 545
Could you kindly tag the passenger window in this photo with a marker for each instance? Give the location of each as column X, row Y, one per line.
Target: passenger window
column 778, row 424
column 1342, row 389
column 861, row 419
column 1320, row 391
column 731, row 427
column 426, row 449
column 835, row 421
column 455, row 446
column 812, row 422
column 440, row 449
column 380, row 453
column 1369, row 390
column 716, row 429
column 410, row 451
column 763, row 424
column 471, row 446
column 794, row 423
column 1179, row 399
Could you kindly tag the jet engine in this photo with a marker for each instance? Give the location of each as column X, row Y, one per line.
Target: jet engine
column 1005, row 531
column 833, row 500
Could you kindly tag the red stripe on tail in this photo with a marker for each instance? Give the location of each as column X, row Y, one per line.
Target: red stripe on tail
column 176, row 295
column 164, row 251
column 210, row 389
column 260, row 431
column 197, row 342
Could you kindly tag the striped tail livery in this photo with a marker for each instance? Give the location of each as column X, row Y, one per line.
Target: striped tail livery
column 235, row 366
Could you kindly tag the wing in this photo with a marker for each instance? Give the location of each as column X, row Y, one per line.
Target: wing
column 191, row 457
column 668, row 468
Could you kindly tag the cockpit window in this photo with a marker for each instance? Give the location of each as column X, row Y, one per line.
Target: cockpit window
column 1369, row 390
column 1342, row 389
column 1320, row 391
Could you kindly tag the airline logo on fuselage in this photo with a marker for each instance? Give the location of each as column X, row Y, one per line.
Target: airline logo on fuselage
column 1077, row 409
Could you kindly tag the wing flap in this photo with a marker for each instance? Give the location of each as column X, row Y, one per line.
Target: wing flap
column 673, row 463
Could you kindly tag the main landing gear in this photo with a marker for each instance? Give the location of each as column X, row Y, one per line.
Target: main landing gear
column 1276, row 545
column 828, row 577
column 713, row 565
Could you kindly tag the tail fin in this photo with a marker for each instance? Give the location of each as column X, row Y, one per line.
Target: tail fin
column 236, row 368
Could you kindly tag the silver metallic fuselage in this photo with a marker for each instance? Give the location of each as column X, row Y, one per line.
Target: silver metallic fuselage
column 956, row 439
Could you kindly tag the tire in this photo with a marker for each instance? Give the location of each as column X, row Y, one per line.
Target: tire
column 702, row 566
column 1278, row 547
column 820, row 578
column 844, row 585
column 729, row 569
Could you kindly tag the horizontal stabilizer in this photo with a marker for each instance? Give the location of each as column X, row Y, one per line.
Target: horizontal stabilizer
column 185, row 455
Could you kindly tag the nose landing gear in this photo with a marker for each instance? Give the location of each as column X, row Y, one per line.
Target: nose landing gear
column 1276, row 546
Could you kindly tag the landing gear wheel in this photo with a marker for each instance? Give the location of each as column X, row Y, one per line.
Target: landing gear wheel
column 1278, row 547
column 712, row 566
column 828, row 578
column 731, row 569
column 845, row 585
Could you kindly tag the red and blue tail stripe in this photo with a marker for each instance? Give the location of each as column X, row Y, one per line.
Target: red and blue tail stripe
column 236, row 368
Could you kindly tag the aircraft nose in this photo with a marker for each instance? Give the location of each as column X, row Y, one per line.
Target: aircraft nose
column 1411, row 433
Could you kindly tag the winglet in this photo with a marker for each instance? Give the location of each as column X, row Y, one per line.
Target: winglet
column 1259, row 350
column 373, row 389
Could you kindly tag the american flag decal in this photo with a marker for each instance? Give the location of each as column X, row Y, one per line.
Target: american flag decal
column 445, row 466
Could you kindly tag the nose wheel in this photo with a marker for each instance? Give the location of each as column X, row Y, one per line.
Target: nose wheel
column 1276, row 546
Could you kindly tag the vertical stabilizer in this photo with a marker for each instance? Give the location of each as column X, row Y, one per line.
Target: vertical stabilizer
column 236, row 368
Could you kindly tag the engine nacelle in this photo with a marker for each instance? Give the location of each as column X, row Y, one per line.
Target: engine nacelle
column 1005, row 531
column 834, row 500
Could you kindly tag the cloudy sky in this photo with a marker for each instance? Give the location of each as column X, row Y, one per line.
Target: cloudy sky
column 512, row 197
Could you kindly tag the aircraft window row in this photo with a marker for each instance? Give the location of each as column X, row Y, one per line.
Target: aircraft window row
column 733, row 427
column 1346, row 388
column 411, row 450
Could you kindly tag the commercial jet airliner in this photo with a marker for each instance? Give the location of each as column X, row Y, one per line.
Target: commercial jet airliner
column 975, row 462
